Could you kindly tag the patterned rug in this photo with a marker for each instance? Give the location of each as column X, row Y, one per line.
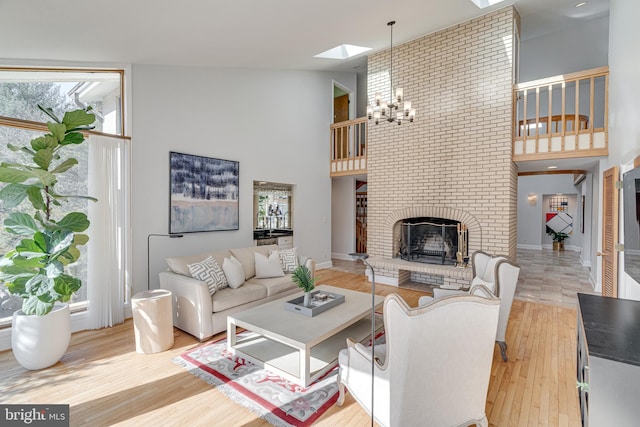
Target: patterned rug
column 276, row 400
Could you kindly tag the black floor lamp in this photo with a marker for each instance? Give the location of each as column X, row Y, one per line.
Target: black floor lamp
column 172, row 236
column 363, row 257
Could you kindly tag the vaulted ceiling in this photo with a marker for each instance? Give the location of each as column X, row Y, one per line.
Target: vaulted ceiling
column 244, row 33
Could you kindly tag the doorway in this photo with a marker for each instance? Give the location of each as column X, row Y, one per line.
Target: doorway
column 361, row 216
column 341, row 113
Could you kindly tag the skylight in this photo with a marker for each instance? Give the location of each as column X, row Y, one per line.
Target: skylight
column 344, row 51
column 486, row 3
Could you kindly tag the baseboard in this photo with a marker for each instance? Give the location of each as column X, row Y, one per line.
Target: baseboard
column 531, row 247
column 584, row 262
column 5, row 339
column 344, row 257
column 594, row 285
column 566, row 248
column 323, row 265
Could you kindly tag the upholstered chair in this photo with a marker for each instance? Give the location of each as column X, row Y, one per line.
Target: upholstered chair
column 435, row 366
column 499, row 275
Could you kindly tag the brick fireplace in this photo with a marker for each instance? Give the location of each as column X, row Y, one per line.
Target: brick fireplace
column 454, row 161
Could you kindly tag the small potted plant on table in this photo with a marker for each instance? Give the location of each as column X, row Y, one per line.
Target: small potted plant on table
column 303, row 278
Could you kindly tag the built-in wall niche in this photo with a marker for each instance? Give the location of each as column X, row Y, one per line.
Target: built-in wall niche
column 272, row 205
column 560, row 214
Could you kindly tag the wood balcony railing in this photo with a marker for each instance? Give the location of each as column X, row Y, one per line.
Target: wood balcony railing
column 561, row 117
column 349, row 147
column 554, row 118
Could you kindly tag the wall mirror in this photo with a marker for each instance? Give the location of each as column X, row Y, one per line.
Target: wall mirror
column 272, row 206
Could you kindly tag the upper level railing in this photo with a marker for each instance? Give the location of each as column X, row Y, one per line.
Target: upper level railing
column 554, row 118
column 349, row 147
column 561, row 117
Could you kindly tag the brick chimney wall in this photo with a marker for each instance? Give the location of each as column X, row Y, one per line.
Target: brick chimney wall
column 457, row 153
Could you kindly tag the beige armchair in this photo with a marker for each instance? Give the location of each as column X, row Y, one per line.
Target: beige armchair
column 435, row 366
column 499, row 275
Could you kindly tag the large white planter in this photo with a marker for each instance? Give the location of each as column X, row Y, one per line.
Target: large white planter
column 40, row 341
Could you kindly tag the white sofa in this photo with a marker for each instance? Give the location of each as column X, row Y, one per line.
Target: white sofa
column 201, row 314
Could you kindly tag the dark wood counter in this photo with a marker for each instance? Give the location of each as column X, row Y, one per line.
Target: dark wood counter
column 612, row 327
column 608, row 361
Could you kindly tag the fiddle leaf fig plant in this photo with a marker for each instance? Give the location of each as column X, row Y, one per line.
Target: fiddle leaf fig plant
column 36, row 268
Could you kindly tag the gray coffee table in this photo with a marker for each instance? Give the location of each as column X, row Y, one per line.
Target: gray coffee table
column 299, row 348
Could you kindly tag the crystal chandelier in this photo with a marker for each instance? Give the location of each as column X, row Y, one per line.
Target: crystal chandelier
column 394, row 110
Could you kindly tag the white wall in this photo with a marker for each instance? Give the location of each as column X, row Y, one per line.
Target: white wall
column 275, row 123
column 624, row 108
column 531, row 219
column 343, row 216
column 361, row 107
column 577, row 48
column 586, row 190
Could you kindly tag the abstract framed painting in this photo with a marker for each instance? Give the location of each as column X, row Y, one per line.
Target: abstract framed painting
column 203, row 194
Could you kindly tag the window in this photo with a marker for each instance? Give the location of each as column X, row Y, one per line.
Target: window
column 20, row 93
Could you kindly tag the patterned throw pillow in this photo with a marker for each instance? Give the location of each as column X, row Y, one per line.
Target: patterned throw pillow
column 288, row 259
column 209, row 272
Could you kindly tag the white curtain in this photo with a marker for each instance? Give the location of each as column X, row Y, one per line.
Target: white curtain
column 109, row 252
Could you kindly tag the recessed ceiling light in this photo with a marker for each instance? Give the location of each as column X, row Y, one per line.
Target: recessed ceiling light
column 582, row 3
column 344, row 51
column 552, row 167
column 486, row 3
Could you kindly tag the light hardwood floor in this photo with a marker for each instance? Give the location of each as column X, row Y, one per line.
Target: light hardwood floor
column 107, row 383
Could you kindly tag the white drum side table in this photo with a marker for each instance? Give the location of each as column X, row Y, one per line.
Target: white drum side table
column 152, row 321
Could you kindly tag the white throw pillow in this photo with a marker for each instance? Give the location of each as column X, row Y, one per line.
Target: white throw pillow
column 233, row 270
column 288, row 259
column 209, row 272
column 268, row 266
column 478, row 281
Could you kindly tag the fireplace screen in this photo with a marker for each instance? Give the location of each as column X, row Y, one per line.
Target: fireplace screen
column 433, row 240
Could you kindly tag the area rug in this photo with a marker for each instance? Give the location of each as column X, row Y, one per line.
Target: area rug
column 276, row 400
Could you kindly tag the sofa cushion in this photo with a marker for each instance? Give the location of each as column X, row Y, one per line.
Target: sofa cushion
column 274, row 285
column 268, row 266
column 247, row 258
column 180, row 264
column 229, row 298
column 234, row 272
column 288, row 259
column 209, row 272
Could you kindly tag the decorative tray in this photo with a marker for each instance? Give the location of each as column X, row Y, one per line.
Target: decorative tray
column 320, row 301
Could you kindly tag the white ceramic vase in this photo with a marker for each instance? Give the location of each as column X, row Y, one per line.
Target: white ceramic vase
column 307, row 299
column 40, row 341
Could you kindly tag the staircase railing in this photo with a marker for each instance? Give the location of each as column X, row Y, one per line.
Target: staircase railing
column 561, row 117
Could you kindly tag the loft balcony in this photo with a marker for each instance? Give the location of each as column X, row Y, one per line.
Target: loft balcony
column 554, row 118
column 566, row 117
column 349, row 147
